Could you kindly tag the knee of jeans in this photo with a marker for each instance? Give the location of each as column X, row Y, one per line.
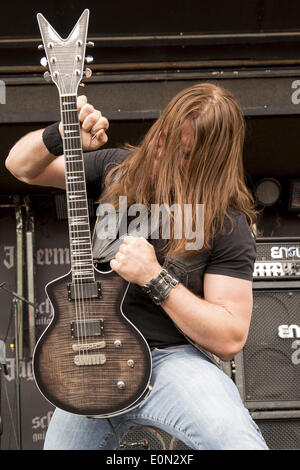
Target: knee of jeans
column 236, row 427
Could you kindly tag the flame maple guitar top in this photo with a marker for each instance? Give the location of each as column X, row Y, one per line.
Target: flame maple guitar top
column 91, row 360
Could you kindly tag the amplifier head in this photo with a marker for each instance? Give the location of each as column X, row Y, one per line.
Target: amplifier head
column 277, row 258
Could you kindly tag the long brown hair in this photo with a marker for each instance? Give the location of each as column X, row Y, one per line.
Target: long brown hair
column 213, row 174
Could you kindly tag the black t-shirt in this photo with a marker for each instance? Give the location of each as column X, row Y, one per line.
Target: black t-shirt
column 230, row 255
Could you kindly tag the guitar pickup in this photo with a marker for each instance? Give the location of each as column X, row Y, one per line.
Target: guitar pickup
column 86, row 290
column 87, row 328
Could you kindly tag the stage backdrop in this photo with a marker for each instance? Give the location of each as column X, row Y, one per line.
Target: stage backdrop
column 51, row 261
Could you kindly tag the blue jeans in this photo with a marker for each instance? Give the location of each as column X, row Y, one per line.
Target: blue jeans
column 191, row 399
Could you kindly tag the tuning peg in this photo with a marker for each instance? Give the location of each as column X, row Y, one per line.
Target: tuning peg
column 44, row 62
column 88, row 73
column 47, row 76
column 90, row 44
column 89, row 59
column 40, row 47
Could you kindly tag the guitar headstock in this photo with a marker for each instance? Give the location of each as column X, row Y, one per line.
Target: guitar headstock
column 65, row 57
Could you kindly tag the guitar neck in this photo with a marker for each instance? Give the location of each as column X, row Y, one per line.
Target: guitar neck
column 77, row 203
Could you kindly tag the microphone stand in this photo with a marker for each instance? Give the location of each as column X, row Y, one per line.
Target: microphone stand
column 4, row 367
column 16, row 298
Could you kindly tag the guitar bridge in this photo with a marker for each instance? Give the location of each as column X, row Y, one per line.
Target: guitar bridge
column 90, row 359
column 86, row 290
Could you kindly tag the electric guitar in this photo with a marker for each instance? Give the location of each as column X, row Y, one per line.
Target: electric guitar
column 91, row 360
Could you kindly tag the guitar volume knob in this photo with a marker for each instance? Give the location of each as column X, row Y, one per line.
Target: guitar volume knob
column 118, row 343
column 121, row 385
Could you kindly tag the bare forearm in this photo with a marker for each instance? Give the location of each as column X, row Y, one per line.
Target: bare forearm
column 30, row 161
column 210, row 325
column 29, row 156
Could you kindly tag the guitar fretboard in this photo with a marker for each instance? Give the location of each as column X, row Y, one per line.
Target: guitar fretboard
column 77, row 203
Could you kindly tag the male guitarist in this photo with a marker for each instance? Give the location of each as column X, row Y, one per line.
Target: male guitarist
column 192, row 154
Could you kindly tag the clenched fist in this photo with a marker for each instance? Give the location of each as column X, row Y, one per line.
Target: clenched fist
column 136, row 261
column 93, row 125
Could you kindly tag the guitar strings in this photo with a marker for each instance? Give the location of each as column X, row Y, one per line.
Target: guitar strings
column 80, row 268
column 81, row 328
column 81, row 265
column 77, row 260
column 89, row 304
column 65, row 122
column 87, row 254
column 73, row 231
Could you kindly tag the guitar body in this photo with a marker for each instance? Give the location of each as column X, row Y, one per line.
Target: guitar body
column 91, row 389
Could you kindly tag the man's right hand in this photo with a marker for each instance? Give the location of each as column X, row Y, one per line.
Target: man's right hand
column 93, row 125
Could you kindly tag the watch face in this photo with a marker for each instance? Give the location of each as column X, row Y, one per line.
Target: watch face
column 268, row 192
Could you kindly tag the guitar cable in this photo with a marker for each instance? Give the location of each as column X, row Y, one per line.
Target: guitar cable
column 114, row 432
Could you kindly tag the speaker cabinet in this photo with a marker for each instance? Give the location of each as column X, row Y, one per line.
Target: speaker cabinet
column 268, row 368
column 281, row 429
column 150, row 438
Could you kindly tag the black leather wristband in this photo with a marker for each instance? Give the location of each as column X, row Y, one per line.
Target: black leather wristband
column 52, row 139
column 159, row 287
